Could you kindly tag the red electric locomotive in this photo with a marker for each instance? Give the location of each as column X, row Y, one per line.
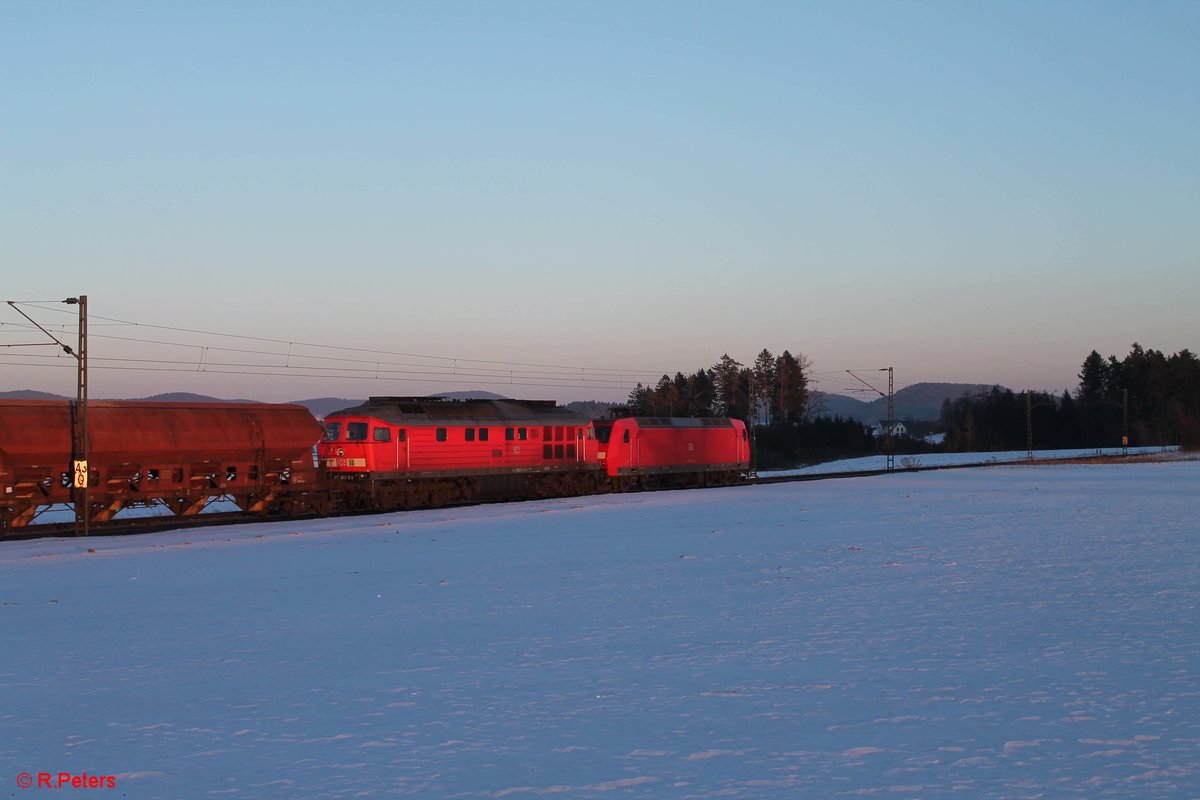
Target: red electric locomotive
column 670, row 451
column 428, row 451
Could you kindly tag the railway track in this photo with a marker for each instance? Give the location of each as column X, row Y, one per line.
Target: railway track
column 154, row 524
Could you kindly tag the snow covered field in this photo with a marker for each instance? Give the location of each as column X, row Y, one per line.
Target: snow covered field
column 1010, row 632
column 875, row 463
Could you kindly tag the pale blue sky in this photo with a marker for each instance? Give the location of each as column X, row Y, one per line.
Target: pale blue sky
column 968, row 191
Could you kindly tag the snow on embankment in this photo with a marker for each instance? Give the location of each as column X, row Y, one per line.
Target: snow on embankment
column 1010, row 632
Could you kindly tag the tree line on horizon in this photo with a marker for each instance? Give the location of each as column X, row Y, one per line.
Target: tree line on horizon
column 1145, row 399
column 1148, row 397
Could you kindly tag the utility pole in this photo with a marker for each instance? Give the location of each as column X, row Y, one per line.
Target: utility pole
column 891, row 445
column 79, row 444
column 1029, row 424
column 1125, row 421
column 79, row 416
column 891, row 407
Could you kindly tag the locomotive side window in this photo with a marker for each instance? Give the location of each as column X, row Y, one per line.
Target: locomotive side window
column 332, row 431
column 510, row 434
column 626, row 437
column 401, row 435
column 469, row 433
column 356, row 431
column 383, row 435
column 440, row 434
column 522, row 434
column 483, row 434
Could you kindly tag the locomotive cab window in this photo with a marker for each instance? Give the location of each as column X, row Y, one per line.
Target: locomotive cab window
column 483, row 434
column 510, row 434
column 625, row 438
column 522, row 434
column 401, row 435
column 332, row 431
column 383, row 435
column 356, row 431
column 440, row 434
column 469, row 433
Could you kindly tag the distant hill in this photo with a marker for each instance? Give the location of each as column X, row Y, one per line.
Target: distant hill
column 189, row 397
column 592, row 409
column 322, row 407
column 921, row 402
column 30, row 394
column 474, row 394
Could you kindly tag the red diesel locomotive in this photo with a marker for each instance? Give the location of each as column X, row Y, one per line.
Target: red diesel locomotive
column 412, row 452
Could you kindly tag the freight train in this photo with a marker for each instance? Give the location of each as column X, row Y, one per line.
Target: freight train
column 390, row 453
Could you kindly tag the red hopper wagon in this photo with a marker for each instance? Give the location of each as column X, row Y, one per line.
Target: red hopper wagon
column 178, row 455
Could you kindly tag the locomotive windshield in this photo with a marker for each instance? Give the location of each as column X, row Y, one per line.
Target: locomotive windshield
column 332, row 431
column 602, row 433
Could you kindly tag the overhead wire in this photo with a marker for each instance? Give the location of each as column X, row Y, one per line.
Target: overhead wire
column 297, row 363
column 346, row 348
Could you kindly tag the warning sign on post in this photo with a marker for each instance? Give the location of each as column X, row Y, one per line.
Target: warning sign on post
column 81, row 481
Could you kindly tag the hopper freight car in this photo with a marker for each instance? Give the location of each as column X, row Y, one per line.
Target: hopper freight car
column 413, row 452
column 178, row 455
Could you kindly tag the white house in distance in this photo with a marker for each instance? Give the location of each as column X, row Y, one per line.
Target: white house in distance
column 880, row 429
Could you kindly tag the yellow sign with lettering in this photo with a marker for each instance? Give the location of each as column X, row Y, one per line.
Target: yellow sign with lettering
column 81, row 476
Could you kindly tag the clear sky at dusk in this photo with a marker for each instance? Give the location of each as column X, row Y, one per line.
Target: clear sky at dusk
column 967, row 191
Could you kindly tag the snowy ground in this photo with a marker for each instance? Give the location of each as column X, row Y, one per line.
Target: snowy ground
column 875, row 463
column 1009, row 632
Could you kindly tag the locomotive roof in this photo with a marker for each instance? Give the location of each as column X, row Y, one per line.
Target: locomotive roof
column 440, row 410
column 682, row 422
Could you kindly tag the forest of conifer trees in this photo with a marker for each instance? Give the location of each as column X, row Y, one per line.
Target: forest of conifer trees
column 1145, row 399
